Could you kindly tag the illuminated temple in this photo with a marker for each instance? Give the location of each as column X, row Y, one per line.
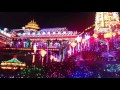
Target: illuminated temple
column 39, row 45
column 24, row 40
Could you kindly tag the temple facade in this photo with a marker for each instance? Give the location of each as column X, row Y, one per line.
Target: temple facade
column 55, row 41
column 44, row 38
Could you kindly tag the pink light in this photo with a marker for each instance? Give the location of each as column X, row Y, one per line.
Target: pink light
column 78, row 39
column 35, row 48
column 87, row 37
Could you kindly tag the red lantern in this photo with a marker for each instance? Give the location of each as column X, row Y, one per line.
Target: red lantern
column 14, row 56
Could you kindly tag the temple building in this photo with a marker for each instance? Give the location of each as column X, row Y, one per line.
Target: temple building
column 58, row 43
column 34, row 34
column 54, row 40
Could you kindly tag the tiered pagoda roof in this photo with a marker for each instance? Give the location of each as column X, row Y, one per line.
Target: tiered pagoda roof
column 32, row 25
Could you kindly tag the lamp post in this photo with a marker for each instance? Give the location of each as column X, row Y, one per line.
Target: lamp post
column 73, row 44
column 43, row 53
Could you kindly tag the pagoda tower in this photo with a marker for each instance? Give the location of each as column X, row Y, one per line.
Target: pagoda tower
column 32, row 25
column 104, row 21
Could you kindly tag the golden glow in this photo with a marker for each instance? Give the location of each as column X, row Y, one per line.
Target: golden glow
column 108, row 35
column 95, row 35
column 32, row 25
column 43, row 53
column 12, row 65
column 73, row 44
column 2, row 63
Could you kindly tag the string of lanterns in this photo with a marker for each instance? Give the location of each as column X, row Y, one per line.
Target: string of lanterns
column 88, row 28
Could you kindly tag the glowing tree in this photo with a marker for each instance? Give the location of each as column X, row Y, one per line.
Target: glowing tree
column 104, row 21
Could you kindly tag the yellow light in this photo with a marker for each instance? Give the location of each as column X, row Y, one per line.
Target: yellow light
column 32, row 25
column 73, row 44
column 2, row 63
column 108, row 35
column 95, row 35
column 23, row 64
column 43, row 53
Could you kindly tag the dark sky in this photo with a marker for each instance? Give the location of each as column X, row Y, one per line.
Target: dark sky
column 72, row 20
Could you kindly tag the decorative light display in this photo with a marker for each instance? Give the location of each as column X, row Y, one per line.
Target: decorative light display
column 35, row 48
column 105, row 20
column 12, row 64
column 87, row 37
column 73, row 63
column 5, row 33
column 69, row 52
column 113, row 67
column 83, row 41
column 32, row 72
column 87, row 29
column 29, row 49
column 43, row 53
column 114, row 34
column 7, row 38
column 54, row 58
column 95, row 35
column 81, row 74
column 108, row 35
column 73, row 44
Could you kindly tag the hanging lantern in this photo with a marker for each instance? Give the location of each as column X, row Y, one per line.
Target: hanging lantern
column 73, row 44
column 43, row 53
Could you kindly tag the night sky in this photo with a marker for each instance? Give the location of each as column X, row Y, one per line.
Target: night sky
column 72, row 20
